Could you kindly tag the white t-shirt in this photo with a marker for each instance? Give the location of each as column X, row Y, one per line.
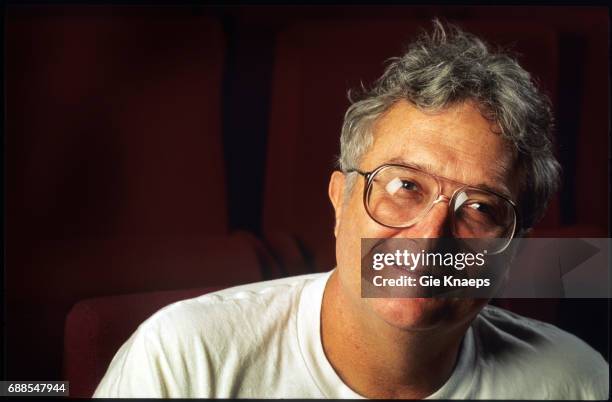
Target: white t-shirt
column 263, row 341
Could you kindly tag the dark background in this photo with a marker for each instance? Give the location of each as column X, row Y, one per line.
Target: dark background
column 154, row 148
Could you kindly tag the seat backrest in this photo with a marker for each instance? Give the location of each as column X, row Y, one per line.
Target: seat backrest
column 67, row 272
column 96, row 328
column 316, row 63
column 114, row 122
column 115, row 168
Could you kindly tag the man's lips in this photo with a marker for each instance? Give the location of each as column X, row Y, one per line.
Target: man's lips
column 417, row 271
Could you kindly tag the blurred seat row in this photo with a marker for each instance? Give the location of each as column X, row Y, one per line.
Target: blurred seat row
column 118, row 171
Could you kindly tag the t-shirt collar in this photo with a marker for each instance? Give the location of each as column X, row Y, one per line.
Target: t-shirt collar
column 326, row 378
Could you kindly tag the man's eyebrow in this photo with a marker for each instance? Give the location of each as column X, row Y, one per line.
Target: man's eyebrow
column 501, row 191
column 426, row 167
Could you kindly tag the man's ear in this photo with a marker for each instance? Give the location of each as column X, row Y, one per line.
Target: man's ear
column 336, row 195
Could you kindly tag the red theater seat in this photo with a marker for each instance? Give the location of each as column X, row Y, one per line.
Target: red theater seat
column 105, row 267
column 115, row 169
column 546, row 309
column 316, row 63
column 114, row 122
column 578, row 231
column 96, row 328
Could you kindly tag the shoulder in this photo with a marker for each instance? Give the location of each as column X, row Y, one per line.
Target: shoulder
column 245, row 300
column 187, row 348
column 497, row 325
column 560, row 363
column 249, row 310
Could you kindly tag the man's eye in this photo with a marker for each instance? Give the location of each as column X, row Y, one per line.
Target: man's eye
column 483, row 208
column 484, row 211
column 399, row 186
column 409, row 185
column 478, row 206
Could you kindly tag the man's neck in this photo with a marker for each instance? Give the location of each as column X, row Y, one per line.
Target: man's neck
column 378, row 360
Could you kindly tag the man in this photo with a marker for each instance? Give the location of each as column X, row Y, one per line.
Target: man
column 469, row 123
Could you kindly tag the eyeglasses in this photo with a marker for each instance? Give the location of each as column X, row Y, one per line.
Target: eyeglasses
column 399, row 196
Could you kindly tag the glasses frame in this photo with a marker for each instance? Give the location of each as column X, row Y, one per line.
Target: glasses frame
column 369, row 177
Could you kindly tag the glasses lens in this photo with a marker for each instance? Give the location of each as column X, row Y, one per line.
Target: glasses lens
column 483, row 215
column 398, row 196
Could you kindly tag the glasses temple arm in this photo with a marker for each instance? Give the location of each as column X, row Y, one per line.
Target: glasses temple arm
column 364, row 174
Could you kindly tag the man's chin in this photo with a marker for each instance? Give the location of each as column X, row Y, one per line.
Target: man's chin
column 422, row 314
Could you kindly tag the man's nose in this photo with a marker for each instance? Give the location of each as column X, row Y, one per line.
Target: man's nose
column 436, row 223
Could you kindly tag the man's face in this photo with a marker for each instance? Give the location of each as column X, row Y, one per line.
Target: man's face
column 457, row 144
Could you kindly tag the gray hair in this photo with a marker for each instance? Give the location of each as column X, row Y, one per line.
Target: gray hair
column 451, row 66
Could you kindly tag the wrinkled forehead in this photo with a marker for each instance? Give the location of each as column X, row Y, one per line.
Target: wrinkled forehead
column 458, row 143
